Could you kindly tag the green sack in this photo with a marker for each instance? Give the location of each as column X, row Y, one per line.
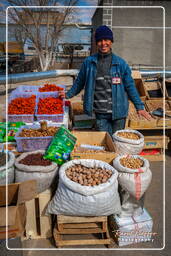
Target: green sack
column 12, row 129
column 61, row 146
column 2, row 134
column 2, row 131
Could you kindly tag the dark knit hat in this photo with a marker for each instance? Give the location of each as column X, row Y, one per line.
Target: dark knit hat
column 103, row 32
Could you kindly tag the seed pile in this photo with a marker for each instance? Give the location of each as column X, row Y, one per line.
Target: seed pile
column 129, row 135
column 2, row 158
column 132, row 163
column 86, row 176
column 35, row 159
column 43, row 131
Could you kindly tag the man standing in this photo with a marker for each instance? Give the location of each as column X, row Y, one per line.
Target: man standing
column 106, row 79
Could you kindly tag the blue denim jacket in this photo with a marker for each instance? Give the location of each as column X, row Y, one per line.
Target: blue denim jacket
column 120, row 92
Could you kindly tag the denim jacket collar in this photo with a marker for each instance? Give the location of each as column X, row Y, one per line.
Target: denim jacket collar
column 94, row 58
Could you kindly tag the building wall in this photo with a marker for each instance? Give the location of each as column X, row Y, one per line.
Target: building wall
column 138, row 32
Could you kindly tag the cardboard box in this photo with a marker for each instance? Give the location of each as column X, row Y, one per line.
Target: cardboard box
column 95, row 138
column 18, row 194
column 156, row 141
column 129, row 230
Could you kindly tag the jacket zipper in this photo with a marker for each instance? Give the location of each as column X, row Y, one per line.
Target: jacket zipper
column 95, row 76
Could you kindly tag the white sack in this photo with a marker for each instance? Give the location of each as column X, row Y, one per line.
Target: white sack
column 45, row 175
column 127, row 146
column 72, row 198
column 7, row 170
column 130, row 207
column 135, row 181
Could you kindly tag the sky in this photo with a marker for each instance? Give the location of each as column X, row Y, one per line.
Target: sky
column 84, row 15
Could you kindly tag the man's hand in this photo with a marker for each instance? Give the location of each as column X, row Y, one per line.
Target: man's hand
column 61, row 94
column 145, row 114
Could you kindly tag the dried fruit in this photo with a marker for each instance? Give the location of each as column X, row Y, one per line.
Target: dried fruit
column 35, row 159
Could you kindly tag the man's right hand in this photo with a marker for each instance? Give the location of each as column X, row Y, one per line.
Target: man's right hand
column 62, row 94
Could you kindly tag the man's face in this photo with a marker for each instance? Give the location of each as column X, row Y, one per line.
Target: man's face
column 104, row 45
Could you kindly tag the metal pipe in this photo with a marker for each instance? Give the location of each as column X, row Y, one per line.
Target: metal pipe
column 33, row 76
column 155, row 73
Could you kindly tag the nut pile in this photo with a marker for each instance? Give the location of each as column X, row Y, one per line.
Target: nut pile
column 129, row 135
column 86, row 176
column 35, row 159
column 132, row 163
column 43, row 131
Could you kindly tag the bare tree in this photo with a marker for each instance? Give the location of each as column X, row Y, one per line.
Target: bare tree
column 42, row 26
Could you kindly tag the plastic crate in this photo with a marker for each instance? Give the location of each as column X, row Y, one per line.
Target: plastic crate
column 27, row 144
column 31, row 89
column 27, row 118
column 56, row 117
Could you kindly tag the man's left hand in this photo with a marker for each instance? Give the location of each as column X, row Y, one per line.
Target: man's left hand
column 145, row 114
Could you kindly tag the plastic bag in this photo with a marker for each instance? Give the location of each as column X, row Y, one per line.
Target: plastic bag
column 72, row 198
column 128, row 146
column 135, row 181
column 13, row 128
column 130, row 207
column 44, row 175
column 7, row 169
column 61, row 146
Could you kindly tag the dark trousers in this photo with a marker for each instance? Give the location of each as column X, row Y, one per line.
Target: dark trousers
column 105, row 123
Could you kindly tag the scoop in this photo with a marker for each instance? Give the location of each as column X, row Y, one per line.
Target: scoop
column 159, row 112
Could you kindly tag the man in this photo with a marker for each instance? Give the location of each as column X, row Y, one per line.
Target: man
column 106, row 79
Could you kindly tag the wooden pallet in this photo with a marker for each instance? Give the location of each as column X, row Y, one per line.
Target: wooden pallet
column 37, row 224
column 81, row 225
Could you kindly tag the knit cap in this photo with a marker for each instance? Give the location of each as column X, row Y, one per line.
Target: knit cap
column 103, row 32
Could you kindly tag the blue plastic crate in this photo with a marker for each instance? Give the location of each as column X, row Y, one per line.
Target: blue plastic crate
column 27, row 118
column 27, row 144
column 55, row 118
column 30, row 89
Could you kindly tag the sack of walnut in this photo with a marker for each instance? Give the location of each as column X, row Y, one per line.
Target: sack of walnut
column 73, row 198
column 134, row 174
column 128, row 142
column 31, row 165
column 7, row 169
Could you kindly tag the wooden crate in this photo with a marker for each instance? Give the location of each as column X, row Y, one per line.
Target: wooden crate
column 136, row 122
column 157, row 103
column 154, row 157
column 81, row 225
column 37, row 224
column 155, row 141
column 153, row 85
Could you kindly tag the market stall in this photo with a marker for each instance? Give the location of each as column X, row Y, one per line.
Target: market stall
column 97, row 180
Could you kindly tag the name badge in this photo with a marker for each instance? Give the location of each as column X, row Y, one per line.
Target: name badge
column 116, row 80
